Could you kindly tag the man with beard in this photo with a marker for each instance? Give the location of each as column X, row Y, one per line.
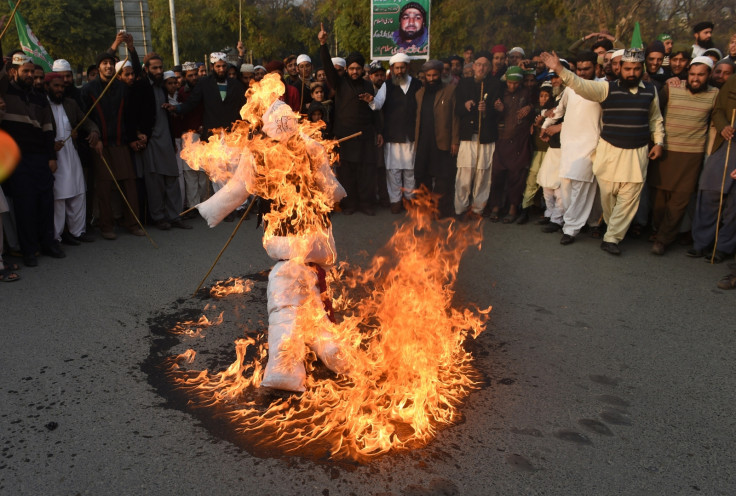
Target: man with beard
column 39, row 83
column 118, row 137
column 195, row 181
column 28, row 120
column 512, row 154
column 397, row 100
column 221, row 97
column 711, row 185
column 687, row 110
column 413, row 30
column 353, row 94
column 64, row 69
column 125, row 72
column 702, row 32
column 437, row 137
column 630, row 117
column 721, row 72
column 158, row 156
column 69, row 188
column 478, row 113
column 579, row 138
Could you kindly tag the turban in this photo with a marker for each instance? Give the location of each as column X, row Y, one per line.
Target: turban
column 61, row 65
column 247, row 69
column 120, row 65
column 189, row 66
column 433, row 65
column 702, row 25
column 497, row 49
column 169, row 75
column 514, row 73
column 355, row 58
column 399, row 57
column 633, row 55
column 303, row 58
column 274, row 66
column 484, row 54
column 215, row 56
column 50, row 76
column 655, row 47
column 703, row 60
column 20, row 58
column 339, row 62
column 518, row 50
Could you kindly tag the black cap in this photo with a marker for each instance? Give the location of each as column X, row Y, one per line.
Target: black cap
column 702, row 25
column 104, row 56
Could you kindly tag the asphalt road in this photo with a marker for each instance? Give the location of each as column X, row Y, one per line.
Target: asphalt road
column 606, row 375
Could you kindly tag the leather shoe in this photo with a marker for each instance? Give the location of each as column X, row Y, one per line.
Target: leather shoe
column 552, row 227
column 658, row 248
column 368, row 211
column 70, row 240
column 53, row 250
column 85, row 238
column 611, row 248
column 718, row 257
column 524, row 217
column 396, row 208
column 543, row 221
column 180, row 224
column 165, row 226
column 566, row 239
column 136, row 231
column 109, row 235
column 30, row 261
column 694, row 253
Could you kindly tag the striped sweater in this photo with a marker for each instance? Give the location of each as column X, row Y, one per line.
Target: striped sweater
column 687, row 116
column 29, row 121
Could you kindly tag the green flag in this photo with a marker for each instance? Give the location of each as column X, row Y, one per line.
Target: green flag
column 636, row 37
column 29, row 43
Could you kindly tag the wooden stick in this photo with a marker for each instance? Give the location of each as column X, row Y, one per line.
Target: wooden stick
column 723, row 184
column 480, row 122
column 97, row 101
column 187, row 211
column 10, row 19
column 126, row 201
column 350, row 137
column 247, row 210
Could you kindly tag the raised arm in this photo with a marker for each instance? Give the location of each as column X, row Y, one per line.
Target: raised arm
column 595, row 91
column 324, row 53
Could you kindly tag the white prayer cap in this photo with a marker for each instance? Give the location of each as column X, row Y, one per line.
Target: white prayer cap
column 215, row 56
column 123, row 63
column 339, row 61
column 703, row 59
column 303, row 58
column 20, row 58
column 399, row 57
column 259, row 67
column 169, row 75
column 61, row 65
column 517, row 50
column 247, row 68
column 189, row 66
column 618, row 53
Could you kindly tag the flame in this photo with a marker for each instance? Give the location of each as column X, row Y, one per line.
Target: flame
column 231, row 285
column 399, row 336
column 185, row 328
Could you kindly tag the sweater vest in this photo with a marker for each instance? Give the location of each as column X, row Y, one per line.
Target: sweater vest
column 626, row 116
column 400, row 112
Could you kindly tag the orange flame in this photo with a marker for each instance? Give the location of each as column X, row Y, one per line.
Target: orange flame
column 231, row 285
column 398, row 334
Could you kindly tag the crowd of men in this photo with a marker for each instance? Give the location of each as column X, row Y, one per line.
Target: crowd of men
column 609, row 140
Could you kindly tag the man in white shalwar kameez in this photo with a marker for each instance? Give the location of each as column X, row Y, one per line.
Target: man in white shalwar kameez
column 70, row 191
column 397, row 99
column 579, row 138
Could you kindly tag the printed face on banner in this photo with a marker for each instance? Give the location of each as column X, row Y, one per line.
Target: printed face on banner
column 400, row 27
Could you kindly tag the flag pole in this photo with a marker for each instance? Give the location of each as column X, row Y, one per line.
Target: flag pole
column 10, row 19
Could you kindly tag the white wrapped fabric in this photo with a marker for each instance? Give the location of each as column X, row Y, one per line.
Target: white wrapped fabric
column 228, row 197
column 308, row 248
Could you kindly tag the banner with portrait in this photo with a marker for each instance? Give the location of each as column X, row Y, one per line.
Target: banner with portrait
column 399, row 26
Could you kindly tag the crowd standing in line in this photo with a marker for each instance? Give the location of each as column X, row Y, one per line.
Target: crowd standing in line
column 609, row 140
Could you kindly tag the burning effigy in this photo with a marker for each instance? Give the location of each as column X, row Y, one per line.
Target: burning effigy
column 388, row 335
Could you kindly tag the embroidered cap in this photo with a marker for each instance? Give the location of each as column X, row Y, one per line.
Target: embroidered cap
column 633, row 55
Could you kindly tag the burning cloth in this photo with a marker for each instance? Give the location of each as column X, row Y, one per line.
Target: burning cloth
column 272, row 155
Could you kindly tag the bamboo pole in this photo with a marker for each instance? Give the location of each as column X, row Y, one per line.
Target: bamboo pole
column 10, row 19
column 480, row 123
column 723, row 184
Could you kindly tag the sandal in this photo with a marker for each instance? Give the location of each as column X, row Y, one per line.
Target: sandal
column 508, row 219
column 493, row 217
column 10, row 266
column 718, row 257
column 8, row 276
column 727, row 282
